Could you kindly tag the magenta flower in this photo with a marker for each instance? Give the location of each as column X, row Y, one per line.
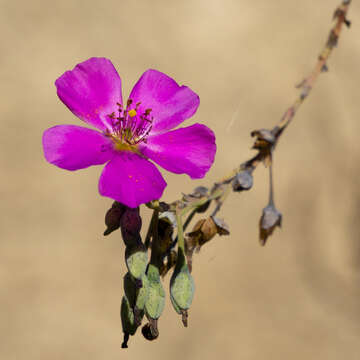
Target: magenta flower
column 130, row 134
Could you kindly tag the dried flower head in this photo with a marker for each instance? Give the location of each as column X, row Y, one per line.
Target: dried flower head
column 264, row 142
column 203, row 231
column 243, row 180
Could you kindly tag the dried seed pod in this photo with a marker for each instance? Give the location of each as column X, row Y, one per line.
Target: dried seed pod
column 198, row 192
column 155, row 302
column 127, row 320
column 205, row 229
column 264, row 138
column 270, row 219
column 243, row 181
column 264, row 142
column 221, row 226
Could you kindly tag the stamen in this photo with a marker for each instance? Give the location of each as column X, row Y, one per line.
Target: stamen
column 130, row 127
column 132, row 113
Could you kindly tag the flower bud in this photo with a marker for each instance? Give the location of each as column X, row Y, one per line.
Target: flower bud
column 136, row 295
column 113, row 216
column 136, row 259
column 155, row 301
column 182, row 288
column 130, row 224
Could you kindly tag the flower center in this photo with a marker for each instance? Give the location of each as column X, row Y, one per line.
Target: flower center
column 129, row 126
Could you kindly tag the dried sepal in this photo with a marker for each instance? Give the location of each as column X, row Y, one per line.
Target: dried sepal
column 270, row 219
column 264, row 142
column 243, row 180
column 264, row 137
column 198, row 193
column 221, row 226
column 169, row 217
column 205, row 229
column 341, row 15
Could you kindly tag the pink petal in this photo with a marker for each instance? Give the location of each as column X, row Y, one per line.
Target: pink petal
column 91, row 91
column 171, row 104
column 73, row 147
column 189, row 150
column 131, row 180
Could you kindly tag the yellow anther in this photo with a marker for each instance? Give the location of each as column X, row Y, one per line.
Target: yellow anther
column 132, row 112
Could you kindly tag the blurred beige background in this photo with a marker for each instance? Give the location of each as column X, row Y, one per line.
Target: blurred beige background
column 61, row 280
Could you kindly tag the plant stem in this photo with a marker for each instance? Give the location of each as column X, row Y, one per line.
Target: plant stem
column 149, row 233
column 180, row 234
column 271, row 189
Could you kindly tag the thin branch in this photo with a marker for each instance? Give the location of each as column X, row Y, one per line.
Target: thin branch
column 267, row 139
column 271, row 189
column 307, row 84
